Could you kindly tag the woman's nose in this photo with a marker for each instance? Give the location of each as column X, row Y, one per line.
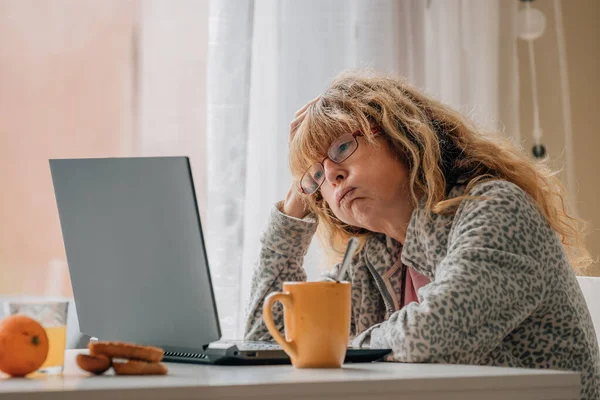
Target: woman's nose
column 334, row 173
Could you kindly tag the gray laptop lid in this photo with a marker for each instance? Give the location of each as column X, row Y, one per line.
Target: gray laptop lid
column 135, row 250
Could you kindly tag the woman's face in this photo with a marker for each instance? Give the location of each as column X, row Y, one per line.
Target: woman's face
column 370, row 189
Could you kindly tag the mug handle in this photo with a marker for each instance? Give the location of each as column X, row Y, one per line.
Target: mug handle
column 286, row 299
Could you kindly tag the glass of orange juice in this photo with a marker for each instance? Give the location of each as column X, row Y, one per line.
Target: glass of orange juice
column 52, row 315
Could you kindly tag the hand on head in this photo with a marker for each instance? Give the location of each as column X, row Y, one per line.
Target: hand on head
column 294, row 205
column 299, row 117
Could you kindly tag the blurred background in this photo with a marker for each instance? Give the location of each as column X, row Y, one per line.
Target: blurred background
column 219, row 81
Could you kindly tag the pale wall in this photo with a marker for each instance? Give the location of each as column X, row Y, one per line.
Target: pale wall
column 65, row 91
column 582, row 35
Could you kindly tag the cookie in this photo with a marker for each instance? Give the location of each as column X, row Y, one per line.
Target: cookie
column 95, row 364
column 133, row 367
column 128, row 351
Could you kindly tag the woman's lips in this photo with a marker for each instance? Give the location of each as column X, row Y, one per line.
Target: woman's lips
column 346, row 196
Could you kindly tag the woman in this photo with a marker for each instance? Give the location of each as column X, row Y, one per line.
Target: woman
column 432, row 200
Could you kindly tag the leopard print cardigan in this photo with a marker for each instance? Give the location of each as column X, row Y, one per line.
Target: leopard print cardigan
column 502, row 290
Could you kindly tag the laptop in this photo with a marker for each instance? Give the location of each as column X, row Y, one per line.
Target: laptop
column 138, row 264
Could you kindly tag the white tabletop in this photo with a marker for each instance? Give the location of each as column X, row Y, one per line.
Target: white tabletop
column 353, row 381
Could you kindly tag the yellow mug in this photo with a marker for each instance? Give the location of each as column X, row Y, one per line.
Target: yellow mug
column 316, row 317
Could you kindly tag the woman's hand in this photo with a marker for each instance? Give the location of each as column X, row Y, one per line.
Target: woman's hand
column 299, row 117
column 293, row 205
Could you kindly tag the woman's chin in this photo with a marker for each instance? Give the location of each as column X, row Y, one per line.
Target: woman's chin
column 351, row 203
column 357, row 210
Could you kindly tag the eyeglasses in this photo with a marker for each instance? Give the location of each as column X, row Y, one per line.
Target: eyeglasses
column 339, row 151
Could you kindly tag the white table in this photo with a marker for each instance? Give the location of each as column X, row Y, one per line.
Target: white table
column 353, row 382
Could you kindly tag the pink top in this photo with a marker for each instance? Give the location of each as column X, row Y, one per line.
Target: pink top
column 414, row 281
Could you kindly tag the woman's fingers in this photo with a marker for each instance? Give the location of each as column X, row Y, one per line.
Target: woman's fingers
column 300, row 115
column 296, row 122
column 305, row 107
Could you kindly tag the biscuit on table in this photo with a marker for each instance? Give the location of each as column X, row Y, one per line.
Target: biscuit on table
column 97, row 364
column 128, row 351
column 134, row 367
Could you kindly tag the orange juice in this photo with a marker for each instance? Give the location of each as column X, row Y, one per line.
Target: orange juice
column 57, row 340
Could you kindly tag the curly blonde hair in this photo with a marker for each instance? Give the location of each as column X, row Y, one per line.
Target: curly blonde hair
column 438, row 145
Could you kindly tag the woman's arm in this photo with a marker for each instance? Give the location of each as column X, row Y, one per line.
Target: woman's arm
column 284, row 244
column 489, row 282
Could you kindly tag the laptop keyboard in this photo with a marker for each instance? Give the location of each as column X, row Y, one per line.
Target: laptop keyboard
column 248, row 345
column 174, row 354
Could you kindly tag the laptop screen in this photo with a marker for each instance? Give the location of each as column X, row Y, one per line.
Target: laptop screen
column 135, row 250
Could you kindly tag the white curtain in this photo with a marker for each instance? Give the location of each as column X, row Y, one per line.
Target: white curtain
column 461, row 56
column 268, row 57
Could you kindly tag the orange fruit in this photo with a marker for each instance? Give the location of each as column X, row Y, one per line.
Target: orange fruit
column 23, row 345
